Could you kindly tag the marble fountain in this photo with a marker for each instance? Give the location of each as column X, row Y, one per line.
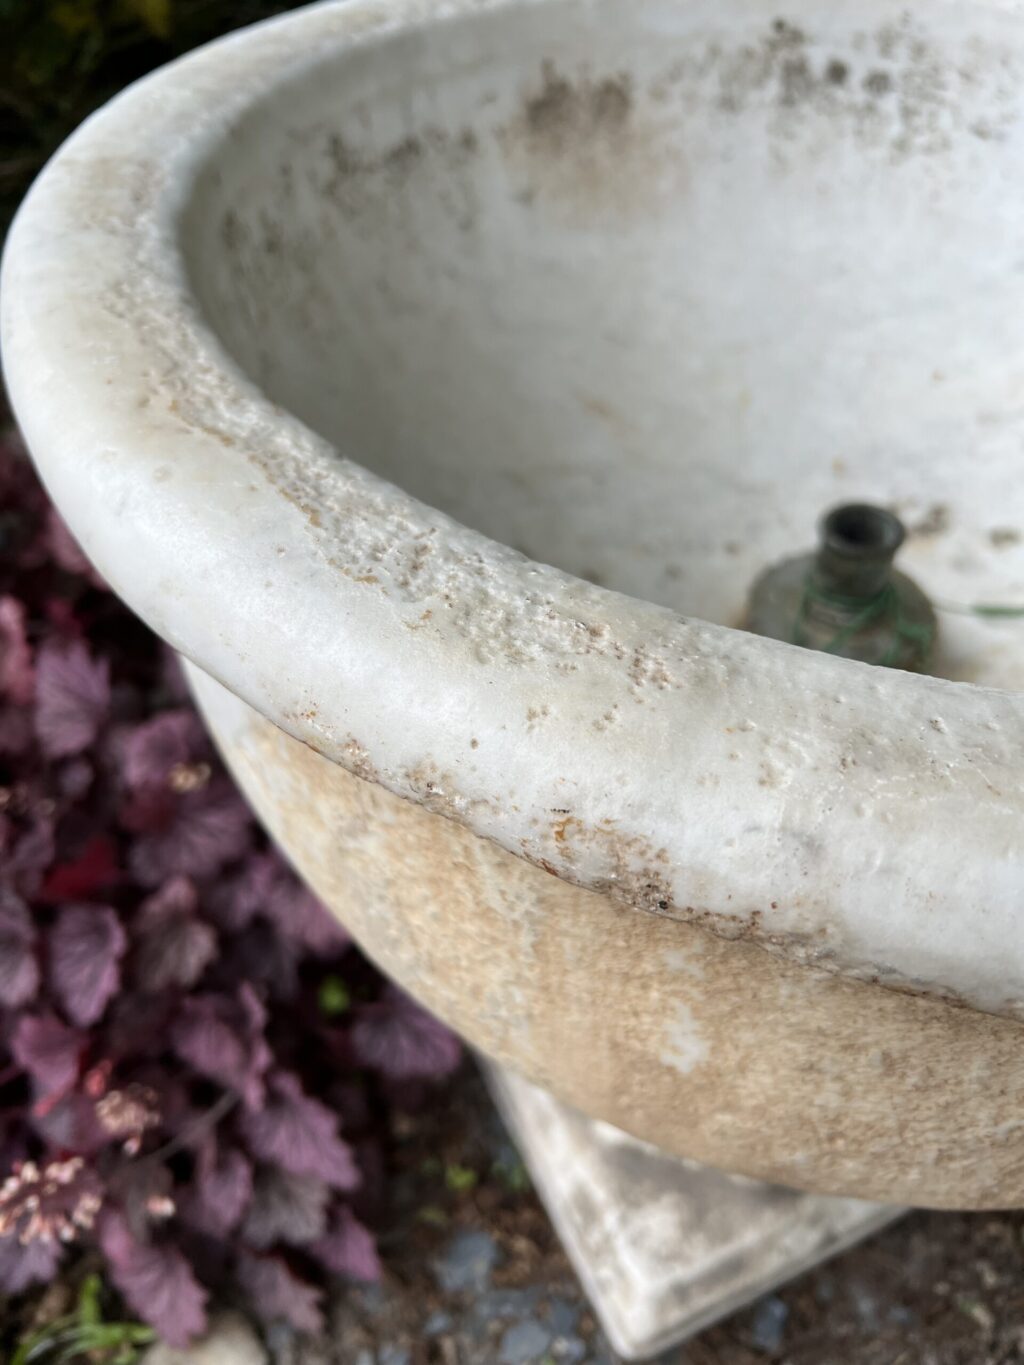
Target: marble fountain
column 437, row 378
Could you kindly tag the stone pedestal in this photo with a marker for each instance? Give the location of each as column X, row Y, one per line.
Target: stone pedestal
column 665, row 1247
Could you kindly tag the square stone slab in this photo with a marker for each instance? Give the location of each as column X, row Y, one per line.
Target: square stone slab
column 664, row 1247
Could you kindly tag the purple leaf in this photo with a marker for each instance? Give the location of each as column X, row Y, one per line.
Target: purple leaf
column 17, row 682
column 79, row 878
column 221, row 1037
column 235, row 901
column 87, row 943
column 268, row 887
column 49, row 1051
column 259, row 954
column 156, row 1281
column 276, row 1292
column 75, row 778
column 285, row 1208
column 23, row 1266
column 137, row 1025
column 16, row 733
column 348, row 1098
column 199, row 832
column 151, row 752
column 398, row 1038
column 69, row 1123
column 220, row 1193
column 19, row 970
column 26, row 864
column 299, row 1134
column 136, row 1188
column 72, row 698
column 173, row 946
column 348, row 1248
column 299, row 915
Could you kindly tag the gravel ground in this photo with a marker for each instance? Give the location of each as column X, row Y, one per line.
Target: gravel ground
column 476, row 1277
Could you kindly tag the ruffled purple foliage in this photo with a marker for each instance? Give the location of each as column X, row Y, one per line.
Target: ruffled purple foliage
column 19, row 967
column 275, row 1291
column 222, row 1037
column 86, row 943
column 156, row 1280
column 300, row 1135
column 195, row 1061
column 402, row 1040
column 347, row 1248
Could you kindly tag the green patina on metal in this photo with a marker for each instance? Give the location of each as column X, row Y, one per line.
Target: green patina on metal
column 846, row 598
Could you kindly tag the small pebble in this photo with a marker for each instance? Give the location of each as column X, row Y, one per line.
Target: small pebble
column 901, row 1314
column 825, row 1288
column 437, row 1323
column 467, row 1262
column 769, row 1324
column 866, row 1305
column 568, row 1349
column 280, row 1339
column 524, row 1342
column 563, row 1317
column 372, row 1297
column 393, row 1355
column 506, row 1303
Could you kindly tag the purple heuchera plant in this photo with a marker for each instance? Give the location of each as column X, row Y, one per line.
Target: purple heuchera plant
column 192, row 1052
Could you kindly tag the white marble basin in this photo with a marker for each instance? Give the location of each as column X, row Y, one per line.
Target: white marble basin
column 437, row 377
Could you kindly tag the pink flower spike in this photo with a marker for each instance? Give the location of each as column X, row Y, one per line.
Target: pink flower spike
column 49, row 1204
column 128, row 1112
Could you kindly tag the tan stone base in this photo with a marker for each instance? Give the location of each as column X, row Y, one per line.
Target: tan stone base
column 708, row 1048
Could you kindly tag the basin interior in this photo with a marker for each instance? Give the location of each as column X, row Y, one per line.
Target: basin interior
column 641, row 289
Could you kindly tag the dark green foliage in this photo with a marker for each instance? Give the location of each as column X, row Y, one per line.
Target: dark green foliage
column 60, row 59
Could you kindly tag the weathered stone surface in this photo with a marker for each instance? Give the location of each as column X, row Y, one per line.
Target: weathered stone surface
column 482, row 464
column 710, row 1049
column 400, row 411
column 666, row 1247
